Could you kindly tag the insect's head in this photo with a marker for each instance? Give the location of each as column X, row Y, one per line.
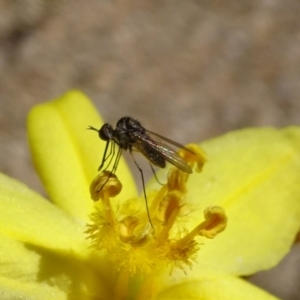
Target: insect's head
column 105, row 132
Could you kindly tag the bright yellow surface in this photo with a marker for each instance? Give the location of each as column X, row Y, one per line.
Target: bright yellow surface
column 66, row 154
column 253, row 174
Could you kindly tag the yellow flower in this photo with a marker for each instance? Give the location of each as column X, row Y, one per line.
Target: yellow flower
column 49, row 252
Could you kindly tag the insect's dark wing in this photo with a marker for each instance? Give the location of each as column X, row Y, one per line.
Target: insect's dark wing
column 170, row 141
column 160, row 149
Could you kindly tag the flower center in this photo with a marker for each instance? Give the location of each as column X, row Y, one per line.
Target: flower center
column 127, row 235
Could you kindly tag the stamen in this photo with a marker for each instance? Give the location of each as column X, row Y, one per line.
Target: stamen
column 169, row 210
column 215, row 222
column 133, row 245
column 121, row 286
column 105, row 182
column 167, row 205
column 102, row 231
column 198, row 156
column 177, row 180
column 133, row 232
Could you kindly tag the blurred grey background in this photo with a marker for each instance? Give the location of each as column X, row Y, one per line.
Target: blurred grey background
column 189, row 70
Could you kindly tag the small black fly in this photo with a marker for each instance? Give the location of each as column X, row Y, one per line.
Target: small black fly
column 131, row 135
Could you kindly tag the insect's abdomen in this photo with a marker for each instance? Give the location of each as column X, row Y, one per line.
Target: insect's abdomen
column 152, row 155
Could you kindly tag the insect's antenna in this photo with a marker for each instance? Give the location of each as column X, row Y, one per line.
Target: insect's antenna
column 93, row 128
column 143, row 182
column 156, row 178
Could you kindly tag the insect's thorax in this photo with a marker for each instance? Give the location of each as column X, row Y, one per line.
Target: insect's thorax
column 125, row 130
column 123, row 139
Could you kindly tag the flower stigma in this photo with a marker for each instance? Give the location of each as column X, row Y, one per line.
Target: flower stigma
column 123, row 230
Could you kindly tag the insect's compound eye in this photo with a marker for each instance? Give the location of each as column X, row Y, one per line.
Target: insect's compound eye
column 106, row 132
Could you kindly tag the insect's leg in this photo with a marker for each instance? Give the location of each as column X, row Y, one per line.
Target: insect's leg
column 144, row 190
column 119, row 153
column 111, row 153
column 114, row 168
column 104, row 158
column 153, row 171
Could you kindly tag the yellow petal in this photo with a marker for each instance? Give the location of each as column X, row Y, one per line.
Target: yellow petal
column 17, row 260
column 27, row 217
column 15, row 289
column 254, row 175
column 66, row 155
column 43, row 249
column 214, row 288
column 29, row 272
